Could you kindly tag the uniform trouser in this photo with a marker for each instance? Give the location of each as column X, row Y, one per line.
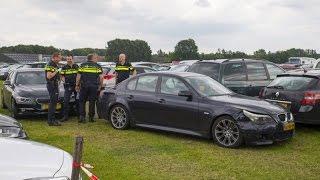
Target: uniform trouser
column 68, row 91
column 53, row 90
column 89, row 93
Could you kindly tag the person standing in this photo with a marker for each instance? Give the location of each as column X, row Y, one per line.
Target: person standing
column 68, row 76
column 88, row 84
column 123, row 69
column 52, row 77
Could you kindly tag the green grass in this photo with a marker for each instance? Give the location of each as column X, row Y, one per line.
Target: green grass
column 144, row 154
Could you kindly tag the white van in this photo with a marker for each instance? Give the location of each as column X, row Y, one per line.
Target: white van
column 303, row 61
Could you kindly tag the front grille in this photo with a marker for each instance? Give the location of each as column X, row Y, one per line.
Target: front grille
column 40, row 101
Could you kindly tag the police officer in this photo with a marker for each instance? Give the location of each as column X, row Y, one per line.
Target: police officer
column 89, row 83
column 52, row 77
column 123, row 69
column 68, row 76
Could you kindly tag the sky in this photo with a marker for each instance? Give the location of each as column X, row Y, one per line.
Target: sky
column 238, row 25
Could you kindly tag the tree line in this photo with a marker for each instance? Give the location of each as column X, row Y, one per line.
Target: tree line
column 139, row 50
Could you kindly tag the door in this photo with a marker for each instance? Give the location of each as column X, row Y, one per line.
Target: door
column 8, row 89
column 141, row 98
column 257, row 78
column 173, row 110
column 235, row 77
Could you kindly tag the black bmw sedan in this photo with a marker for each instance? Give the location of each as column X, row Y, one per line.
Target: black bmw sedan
column 195, row 104
column 25, row 92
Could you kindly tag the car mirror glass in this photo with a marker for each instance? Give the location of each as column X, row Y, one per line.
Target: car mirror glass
column 187, row 94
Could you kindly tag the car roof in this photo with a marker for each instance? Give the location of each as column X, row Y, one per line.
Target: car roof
column 29, row 70
column 36, row 63
column 181, row 74
column 220, row 61
column 301, row 72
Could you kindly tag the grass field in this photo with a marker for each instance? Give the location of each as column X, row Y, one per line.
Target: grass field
column 144, row 154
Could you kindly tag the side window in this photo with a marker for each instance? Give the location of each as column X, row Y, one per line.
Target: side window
column 210, row 69
column 274, row 70
column 132, row 84
column 256, row 71
column 147, row 83
column 234, row 72
column 171, row 85
column 318, row 65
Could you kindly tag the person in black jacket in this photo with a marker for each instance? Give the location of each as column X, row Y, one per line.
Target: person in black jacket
column 68, row 76
column 52, row 77
column 123, row 69
column 89, row 84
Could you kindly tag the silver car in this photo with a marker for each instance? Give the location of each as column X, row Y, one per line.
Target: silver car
column 22, row 159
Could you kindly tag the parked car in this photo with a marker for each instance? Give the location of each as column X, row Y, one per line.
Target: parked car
column 35, row 65
column 298, row 62
column 189, row 62
column 25, row 92
column 109, row 77
column 10, row 127
column 195, row 104
column 243, row 76
column 4, row 72
column 155, row 66
column 299, row 92
column 22, row 159
column 179, row 67
column 317, row 64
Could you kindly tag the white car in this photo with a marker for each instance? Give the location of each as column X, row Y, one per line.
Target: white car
column 22, row 159
column 317, row 64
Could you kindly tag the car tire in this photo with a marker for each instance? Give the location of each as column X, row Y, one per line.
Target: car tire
column 226, row 132
column 119, row 117
column 14, row 109
column 2, row 104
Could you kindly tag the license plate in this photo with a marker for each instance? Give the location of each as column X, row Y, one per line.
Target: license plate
column 288, row 126
column 46, row 106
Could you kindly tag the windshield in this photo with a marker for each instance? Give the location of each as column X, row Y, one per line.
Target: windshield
column 30, row 78
column 206, row 68
column 206, row 86
column 294, row 61
column 292, row 83
column 179, row 68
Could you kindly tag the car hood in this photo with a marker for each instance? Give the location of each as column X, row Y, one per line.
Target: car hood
column 34, row 91
column 8, row 121
column 248, row 103
column 22, row 159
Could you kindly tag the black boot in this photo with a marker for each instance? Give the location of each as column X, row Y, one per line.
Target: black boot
column 91, row 119
column 64, row 119
column 82, row 119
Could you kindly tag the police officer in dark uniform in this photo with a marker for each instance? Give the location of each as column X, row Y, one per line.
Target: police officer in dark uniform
column 52, row 77
column 89, row 83
column 123, row 69
column 68, row 76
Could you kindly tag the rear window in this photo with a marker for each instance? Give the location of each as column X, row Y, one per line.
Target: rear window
column 210, row 69
column 292, row 83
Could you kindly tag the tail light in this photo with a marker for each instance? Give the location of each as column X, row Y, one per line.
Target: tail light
column 261, row 93
column 108, row 76
column 310, row 98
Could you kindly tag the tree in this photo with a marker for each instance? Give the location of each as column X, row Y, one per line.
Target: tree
column 186, row 49
column 260, row 54
column 137, row 50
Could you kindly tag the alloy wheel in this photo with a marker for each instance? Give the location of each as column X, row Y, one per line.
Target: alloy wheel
column 227, row 132
column 118, row 117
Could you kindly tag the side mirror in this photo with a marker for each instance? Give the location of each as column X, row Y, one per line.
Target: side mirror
column 187, row 94
column 6, row 83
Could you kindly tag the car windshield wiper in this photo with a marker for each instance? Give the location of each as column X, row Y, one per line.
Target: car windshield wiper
column 275, row 87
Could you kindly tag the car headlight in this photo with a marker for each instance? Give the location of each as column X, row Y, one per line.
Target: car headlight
column 49, row 178
column 11, row 132
column 24, row 100
column 258, row 118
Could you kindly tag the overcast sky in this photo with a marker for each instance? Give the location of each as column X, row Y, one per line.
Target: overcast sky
column 244, row 25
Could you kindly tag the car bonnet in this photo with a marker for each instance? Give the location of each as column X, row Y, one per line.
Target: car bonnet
column 21, row 159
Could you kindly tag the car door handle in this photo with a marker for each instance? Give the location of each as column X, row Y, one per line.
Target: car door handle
column 161, row 101
column 130, row 97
